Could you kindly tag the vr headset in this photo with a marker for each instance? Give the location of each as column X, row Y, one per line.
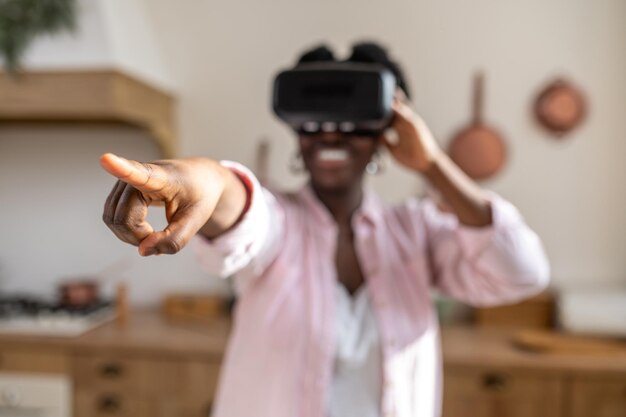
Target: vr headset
column 352, row 98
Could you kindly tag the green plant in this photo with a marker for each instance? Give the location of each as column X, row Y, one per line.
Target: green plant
column 21, row 21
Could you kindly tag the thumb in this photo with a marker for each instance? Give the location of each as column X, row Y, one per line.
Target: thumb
column 183, row 225
column 145, row 177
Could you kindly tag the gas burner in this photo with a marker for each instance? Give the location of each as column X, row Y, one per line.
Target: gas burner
column 18, row 306
column 30, row 315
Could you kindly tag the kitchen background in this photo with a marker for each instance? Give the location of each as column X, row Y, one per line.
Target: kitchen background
column 219, row 59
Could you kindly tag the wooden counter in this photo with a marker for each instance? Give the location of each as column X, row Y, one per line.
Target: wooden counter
column 146, row 333
column 472, row 346
column 487, row 376
column 145, row 368
column 150, row 367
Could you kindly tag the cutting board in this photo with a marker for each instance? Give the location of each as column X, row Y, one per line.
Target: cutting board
column 545, row 341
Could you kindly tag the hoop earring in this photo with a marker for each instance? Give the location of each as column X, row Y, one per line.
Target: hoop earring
column 375, row 166
column 296, row 164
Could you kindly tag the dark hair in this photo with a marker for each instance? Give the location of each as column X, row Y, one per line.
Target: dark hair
column 367, row 52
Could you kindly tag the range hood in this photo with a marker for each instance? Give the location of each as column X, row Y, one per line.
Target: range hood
column 109, row 71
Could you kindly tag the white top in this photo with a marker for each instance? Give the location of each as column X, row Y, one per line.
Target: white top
column 356, row 386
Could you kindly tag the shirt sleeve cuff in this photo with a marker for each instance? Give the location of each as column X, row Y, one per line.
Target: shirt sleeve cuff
column 231, row 238
column 474, row 240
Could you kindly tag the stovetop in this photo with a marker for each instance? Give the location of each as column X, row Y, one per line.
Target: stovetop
column 37, row 316
column 30, row 306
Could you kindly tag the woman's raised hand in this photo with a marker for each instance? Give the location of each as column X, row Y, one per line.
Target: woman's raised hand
column 192, row 191
column 415, row 147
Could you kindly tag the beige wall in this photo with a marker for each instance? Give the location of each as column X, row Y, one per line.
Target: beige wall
column 222, row 56
column 52, row 194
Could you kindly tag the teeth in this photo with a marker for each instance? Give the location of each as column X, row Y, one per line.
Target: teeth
column 332, row 155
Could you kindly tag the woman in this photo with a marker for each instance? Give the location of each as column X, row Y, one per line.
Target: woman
column 334, row 317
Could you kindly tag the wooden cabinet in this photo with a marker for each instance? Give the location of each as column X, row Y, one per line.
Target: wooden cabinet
column 484, row 392
column 15, row 359
column 598, row 396
column 109, row 385
column 107, row 372
column 99, row 404
column 147, row 367
column 151, row 368
column 487, row 375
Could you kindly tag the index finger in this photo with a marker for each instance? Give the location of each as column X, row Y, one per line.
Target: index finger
column 399, row 94
column 401, row 110
column 405, row 115
column 143, row 176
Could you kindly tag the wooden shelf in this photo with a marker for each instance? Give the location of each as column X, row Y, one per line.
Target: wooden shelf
column 89, row 96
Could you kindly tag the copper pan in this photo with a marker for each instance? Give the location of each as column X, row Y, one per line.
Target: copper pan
column 560, row 107
column 478, row 149
column 79, row 292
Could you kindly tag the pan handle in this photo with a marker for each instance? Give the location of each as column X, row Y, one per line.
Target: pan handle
column 477, row 99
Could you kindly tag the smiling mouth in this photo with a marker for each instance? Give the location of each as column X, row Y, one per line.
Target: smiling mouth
column 332, row 155
column 331, row 158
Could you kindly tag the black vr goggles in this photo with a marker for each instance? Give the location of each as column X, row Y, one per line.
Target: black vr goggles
column 347, row 97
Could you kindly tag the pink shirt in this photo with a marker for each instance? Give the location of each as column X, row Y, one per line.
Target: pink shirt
column 279, row 361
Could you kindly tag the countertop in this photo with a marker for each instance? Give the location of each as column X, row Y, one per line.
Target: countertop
column 147, row 333
column 494, row 348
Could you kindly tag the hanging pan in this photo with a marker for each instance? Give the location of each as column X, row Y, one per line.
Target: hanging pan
column 478, row 149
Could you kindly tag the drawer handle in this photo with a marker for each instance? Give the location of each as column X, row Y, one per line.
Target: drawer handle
column 109, row 404
column 494, row 382
column 111, row 370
